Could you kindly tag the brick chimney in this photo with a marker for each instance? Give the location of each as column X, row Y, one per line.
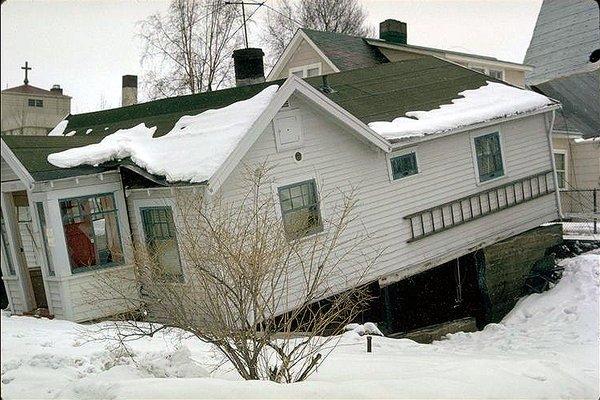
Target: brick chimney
column 249, row 67
column 394, row 31
column 129, row 90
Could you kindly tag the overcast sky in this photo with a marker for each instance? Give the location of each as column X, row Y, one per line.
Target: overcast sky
column 87, row 45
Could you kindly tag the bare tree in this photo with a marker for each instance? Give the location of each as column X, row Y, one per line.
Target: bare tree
column 342, row 16
column 188, row 50
column 267, row 296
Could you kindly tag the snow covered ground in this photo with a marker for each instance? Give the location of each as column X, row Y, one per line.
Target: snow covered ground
column 547, row 347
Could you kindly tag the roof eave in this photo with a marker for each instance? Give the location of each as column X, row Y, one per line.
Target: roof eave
column 411, row 141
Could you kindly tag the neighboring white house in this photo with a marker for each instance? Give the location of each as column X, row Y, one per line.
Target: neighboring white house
column 435, row 185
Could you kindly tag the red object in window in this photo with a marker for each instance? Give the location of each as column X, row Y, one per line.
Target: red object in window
column 81, row 248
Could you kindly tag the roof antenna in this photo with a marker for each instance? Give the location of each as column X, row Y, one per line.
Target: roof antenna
column 325, row 88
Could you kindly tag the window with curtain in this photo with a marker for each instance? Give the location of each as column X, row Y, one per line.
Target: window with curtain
column 561, row 169
column 44, row 234
column 300, row 209
column 404, row 165
column 489, row 156
column 161, row 240
column 91, row 226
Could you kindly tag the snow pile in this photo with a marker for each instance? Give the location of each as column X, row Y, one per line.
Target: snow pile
column 547, row 347
column 59, row 129
column 494, row 100
column 192, row 151
column 368, row 328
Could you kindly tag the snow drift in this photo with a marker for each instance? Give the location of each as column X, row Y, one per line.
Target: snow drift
column 547, row 347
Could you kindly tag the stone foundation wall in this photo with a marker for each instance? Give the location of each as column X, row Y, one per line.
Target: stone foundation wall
column 507, row 264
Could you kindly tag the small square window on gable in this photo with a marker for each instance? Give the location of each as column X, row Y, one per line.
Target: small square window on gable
column 404, row 165
column 288, row 130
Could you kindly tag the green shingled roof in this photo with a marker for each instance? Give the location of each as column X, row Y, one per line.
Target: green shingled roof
column 33, row 151
column 345, row 51
column 379, row 93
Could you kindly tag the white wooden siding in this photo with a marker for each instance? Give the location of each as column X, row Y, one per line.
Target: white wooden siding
column 15, row 294
column 337, row 160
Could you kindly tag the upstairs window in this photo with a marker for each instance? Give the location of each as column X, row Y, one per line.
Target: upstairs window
column 300, row 209
column 91, row 226
column 35, row 103
column 489, row 156
column 306, row 71
column 404, row 165
column 496, row 73
column 561, row 169
column 161, row 240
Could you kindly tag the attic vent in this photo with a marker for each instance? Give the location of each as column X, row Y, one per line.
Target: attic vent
column 286, row 104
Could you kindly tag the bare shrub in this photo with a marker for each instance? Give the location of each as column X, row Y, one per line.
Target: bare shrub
column 265, row 294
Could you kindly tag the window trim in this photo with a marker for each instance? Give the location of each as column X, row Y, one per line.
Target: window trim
column 505, row 174
column 292, row 182
column 566, row 170
column 138, row 205
column 140, row 210
column 305, row 68
column 402, row 152
column 117, row 212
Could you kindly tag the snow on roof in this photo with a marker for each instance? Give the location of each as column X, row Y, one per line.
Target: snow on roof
column 491, row 101
column 192, row 151
column 59, row 129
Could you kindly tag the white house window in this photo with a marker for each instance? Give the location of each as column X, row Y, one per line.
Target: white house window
column 561, row 169
column 488, row 153
column 35, row 103
column 492, row 72
column 496, row 73
column 306, row 71
column 161, row 240
column 300, row 209
column 404, row 165
column 91, row 227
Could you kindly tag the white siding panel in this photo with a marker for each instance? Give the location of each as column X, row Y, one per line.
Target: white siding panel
column 338, row 160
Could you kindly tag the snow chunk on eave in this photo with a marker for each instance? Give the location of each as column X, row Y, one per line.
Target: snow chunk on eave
column 191, row 152
column 489, row 102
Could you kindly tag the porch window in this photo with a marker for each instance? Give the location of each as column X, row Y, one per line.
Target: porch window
column 561, row 169
column 404, row 165
column 6, row 246
column 300, row 209
column 489, row 156
column 161, row 240
column 43, row 227
column 91, row 226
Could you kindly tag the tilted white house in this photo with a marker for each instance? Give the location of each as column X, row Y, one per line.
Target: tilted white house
column 469, row 166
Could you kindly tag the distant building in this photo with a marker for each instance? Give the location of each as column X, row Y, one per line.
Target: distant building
column 29, row 110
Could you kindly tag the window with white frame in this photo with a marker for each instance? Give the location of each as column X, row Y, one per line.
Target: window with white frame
column 306, row 71
column 44, row 230
column 91, row 226
column 495, row 73
column 300, row 208
column 488, row 155
column 161, row 240
column 404, row 165
column 560, row 162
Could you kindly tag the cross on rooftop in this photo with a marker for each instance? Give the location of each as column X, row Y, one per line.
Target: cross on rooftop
column 27, row 68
